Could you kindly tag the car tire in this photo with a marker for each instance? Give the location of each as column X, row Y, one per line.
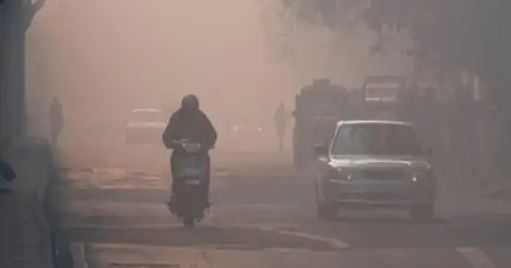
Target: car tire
column 423, row 212
column 324, row 211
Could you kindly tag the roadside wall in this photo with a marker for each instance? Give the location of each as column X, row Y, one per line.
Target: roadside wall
column 31, row 158
column 12, row 75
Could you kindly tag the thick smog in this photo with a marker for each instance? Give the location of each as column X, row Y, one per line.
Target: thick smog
column 254, row 133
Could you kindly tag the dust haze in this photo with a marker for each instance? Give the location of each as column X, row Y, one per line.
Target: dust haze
column 104, row 58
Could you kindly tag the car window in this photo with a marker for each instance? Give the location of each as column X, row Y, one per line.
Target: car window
column 376, row 139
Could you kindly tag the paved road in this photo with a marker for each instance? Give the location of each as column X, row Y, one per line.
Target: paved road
column 263, row 217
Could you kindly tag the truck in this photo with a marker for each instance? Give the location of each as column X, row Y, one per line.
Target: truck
column 380, row 96
column 321, row 104
column 318, row 107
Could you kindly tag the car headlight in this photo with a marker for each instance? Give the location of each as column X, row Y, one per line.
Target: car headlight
column 422, row 175
column 340, row 175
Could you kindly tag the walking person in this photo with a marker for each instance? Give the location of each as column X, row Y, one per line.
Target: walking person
column 280, row 120
column 56, row 120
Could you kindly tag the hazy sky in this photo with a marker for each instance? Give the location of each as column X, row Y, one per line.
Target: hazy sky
column 104, row 57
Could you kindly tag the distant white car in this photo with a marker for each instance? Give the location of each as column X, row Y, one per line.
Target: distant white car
column 245, row 129
column 145, row 126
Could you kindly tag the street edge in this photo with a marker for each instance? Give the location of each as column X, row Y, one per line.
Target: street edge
column 333, row 243
column 475, row 257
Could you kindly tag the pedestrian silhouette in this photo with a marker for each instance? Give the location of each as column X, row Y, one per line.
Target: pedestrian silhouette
column 56, row 120
column 280, row 119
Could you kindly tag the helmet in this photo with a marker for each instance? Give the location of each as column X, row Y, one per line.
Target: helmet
column 190, row 103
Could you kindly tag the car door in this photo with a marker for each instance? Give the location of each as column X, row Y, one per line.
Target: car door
column 322, row 161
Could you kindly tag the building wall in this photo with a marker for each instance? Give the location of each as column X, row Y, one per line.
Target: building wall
column 3, row 88
column 12, row 75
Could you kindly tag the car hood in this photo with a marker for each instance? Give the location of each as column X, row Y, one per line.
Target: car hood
column 379, row 162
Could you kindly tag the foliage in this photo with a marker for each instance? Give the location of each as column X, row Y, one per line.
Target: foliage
column 468, row 34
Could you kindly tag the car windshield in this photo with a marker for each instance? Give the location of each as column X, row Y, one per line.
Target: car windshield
column 147, row 116
column 376, row 139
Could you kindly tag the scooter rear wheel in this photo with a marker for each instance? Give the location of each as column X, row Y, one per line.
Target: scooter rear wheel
column 189, row 222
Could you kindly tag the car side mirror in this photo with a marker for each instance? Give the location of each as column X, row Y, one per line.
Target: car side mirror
column 321, row 149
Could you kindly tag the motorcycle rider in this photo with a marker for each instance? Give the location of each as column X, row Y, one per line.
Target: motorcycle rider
column 189, row 122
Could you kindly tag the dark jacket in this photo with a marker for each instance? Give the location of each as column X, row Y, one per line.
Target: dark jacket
column 195, row 126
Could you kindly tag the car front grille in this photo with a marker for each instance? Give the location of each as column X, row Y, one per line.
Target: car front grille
column 382, row 196
column 374, row 196
column 383, row 174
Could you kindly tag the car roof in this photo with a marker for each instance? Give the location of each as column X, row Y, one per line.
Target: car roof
column 146, row 110
column 373, row 122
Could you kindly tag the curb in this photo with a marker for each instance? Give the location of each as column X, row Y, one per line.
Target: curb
column 61, row 251
column 44, row 228
column 64, row 253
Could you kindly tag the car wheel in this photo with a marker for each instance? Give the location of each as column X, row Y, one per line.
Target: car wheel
column 422, row 212
column 324, row 211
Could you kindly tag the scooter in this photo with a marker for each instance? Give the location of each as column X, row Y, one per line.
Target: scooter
column 192, row 172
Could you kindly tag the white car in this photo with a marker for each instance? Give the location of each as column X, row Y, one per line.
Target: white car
column 246, row 129
column 145, row 126
column 374, row 164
